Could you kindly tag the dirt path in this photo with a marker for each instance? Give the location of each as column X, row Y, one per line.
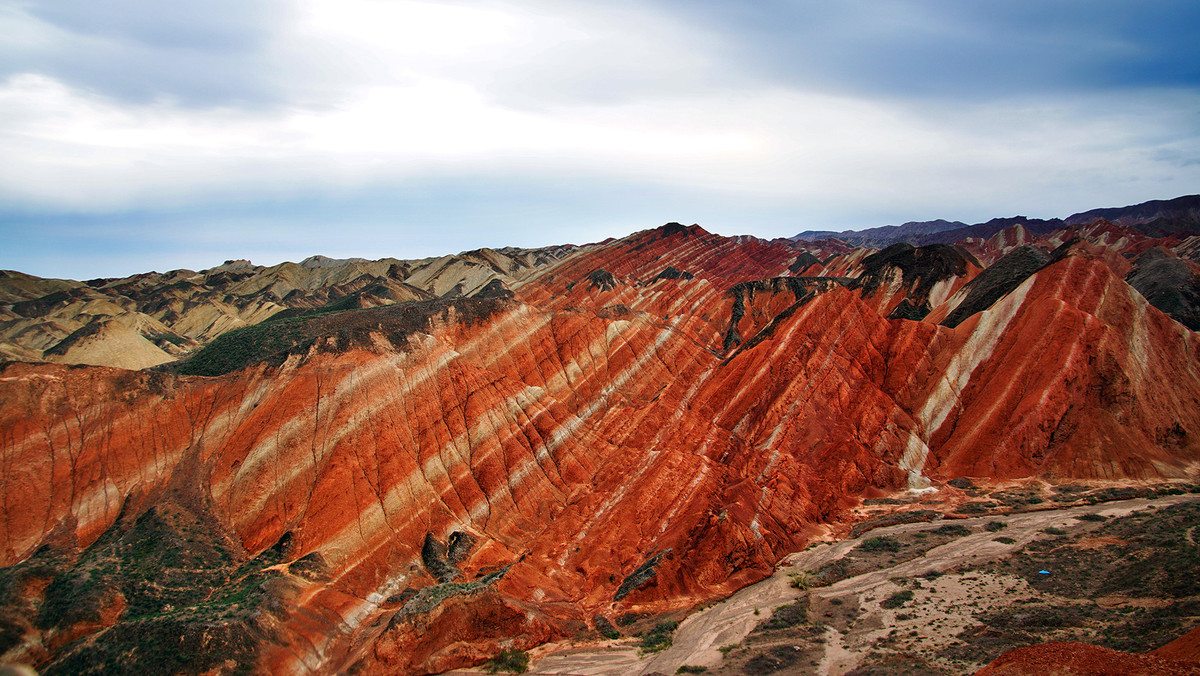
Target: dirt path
column 699, row 637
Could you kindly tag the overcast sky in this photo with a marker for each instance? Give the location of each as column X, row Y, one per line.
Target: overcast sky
column 142, row 134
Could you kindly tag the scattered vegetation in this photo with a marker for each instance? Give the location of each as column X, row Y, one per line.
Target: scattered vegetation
column 775, row 659
column 976, row 507
column 994, row 526
column 690, row 669
column 894, row 518
column 191, row 598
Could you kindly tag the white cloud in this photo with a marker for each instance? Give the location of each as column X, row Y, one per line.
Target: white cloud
column 382, row 91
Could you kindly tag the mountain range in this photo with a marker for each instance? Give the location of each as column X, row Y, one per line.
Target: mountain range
column 409, row 466
column 1155, row 218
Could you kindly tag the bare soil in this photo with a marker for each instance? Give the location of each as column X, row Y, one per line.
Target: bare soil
column 946, row 596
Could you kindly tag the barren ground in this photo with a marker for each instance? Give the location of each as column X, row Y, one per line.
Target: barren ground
column 945, row 596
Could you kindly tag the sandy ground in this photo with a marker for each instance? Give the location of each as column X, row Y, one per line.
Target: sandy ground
column 856, row 624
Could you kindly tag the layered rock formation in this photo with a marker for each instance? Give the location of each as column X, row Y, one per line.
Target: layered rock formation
column 633, row 426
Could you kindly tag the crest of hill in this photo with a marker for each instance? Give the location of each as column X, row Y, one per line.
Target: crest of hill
column 1154, row 218
column 153, row 318
column 886, row 233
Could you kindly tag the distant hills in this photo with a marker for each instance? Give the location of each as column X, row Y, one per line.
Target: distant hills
column 1154, row 218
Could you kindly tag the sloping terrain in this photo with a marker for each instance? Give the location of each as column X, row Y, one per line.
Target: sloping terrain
column 366, row 482
column 153, row 318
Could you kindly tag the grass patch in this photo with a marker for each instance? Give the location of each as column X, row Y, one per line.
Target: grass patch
column 237, row 349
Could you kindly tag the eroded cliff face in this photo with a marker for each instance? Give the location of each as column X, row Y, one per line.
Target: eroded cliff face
column 645, row 424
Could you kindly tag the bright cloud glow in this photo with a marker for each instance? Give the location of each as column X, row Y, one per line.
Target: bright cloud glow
column 137, row 109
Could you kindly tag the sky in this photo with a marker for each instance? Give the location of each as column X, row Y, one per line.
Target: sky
column 141, row 135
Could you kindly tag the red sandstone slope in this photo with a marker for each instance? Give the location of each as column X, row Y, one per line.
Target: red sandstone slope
column 601, row 437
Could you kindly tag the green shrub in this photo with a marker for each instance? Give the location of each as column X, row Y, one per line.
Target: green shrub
column 800, row 580
column 898, row 599
column 690, row 669
column 1054, row 531
column 508, row 661
column 1005, row 540
column 788, row 616
column 994, row 526
column 658, row 639
column 882, row 543
column 953, row 529
column 1093, row 517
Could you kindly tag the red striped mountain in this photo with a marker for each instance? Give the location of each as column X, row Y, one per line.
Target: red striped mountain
column 636, row 426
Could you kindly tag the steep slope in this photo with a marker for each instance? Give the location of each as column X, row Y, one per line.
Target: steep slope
column 1170, row 284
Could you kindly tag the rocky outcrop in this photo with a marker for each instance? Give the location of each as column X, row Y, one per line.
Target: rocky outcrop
column 991, row 285
column 906, row 282
column 1171, row 284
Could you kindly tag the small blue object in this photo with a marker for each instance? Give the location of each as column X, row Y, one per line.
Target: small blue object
column 1044, row 572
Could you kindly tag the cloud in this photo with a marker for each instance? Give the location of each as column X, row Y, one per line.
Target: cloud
column 193, row 54
column 384, row 116
column 947, row 48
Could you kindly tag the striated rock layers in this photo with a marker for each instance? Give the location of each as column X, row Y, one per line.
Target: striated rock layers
column 640, row 426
